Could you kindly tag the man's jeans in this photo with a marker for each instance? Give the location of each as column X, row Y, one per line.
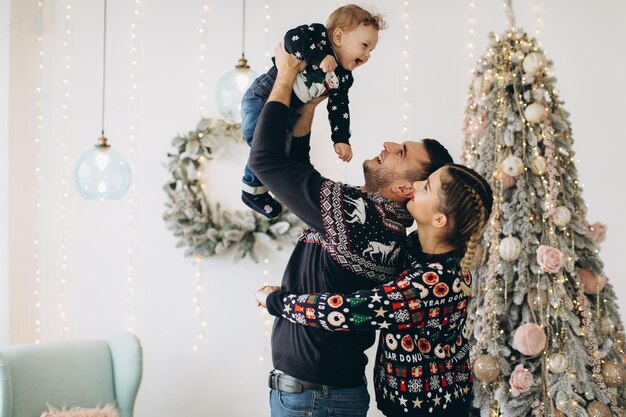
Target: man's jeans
column 338, row 402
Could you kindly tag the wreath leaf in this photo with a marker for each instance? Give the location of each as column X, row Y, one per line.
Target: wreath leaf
column 203, row 229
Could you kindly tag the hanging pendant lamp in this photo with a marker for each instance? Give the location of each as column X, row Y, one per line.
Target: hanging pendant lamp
column 232, row 86
column 102, row 173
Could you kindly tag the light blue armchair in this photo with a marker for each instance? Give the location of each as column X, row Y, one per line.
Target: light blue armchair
column 70, row 374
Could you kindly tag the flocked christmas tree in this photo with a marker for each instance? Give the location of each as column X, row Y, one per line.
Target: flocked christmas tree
column 548, row 339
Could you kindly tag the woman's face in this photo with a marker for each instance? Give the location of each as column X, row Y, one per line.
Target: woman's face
column 424, row 204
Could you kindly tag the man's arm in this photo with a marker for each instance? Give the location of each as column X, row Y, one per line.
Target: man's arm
column 304, row 123
column 301, row 134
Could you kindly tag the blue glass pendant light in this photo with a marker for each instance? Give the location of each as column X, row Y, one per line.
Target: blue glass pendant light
column 232, row 86
column 102, row 173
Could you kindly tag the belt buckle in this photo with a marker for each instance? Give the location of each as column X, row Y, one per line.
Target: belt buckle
column 273, row 380
column 283, row 383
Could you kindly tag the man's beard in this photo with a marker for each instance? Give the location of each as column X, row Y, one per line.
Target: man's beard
column 377, row 178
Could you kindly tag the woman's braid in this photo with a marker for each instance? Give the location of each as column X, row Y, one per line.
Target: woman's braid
column 467, row 203
column 472, row 244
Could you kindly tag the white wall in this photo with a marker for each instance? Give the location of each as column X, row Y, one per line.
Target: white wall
column 226, row 376
column 5, row 17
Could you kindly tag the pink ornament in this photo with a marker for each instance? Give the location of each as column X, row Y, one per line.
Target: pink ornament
column 529, row 339
column 592, row 284
column 550, row 259
column 508, row 181
column 520, row 381
column 597, row 231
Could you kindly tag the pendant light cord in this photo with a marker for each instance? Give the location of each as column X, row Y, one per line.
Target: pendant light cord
column 104, row 55
column 243, row 30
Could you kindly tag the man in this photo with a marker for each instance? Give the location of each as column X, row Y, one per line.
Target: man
column 352, row 242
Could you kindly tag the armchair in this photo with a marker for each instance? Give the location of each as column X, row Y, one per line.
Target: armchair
column 70, row 374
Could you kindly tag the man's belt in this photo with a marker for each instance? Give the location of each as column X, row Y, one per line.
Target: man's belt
column 285, row 383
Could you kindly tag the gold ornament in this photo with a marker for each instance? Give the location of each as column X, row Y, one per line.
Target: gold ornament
column 537, row 299
column 486, row 368
column 606, row 325
column 598, row 409
column 557, row 362
column 614, row 373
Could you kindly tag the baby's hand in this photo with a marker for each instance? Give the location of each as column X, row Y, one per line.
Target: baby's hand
column 343, row 151
column 328, row 64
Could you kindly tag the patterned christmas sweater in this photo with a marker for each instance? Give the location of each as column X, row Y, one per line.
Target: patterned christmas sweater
column 309, row 43
column 422, row 365
column 353, row 241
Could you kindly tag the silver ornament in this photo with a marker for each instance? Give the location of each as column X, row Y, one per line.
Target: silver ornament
column 510, row 248
column 512, row 165
column 561, row 216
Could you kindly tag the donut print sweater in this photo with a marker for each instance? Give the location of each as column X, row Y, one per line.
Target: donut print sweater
column 422, row 364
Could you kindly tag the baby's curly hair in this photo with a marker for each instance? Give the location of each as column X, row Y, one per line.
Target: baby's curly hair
column 350, row 16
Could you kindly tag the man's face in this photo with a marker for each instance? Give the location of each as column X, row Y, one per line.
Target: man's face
column 394, row 162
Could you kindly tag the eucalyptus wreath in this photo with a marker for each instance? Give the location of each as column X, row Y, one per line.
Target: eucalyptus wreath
column 202, row 228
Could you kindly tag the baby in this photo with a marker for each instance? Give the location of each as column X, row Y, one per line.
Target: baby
column 331, row 53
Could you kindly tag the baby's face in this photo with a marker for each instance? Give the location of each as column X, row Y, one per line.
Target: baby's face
column 354, row 47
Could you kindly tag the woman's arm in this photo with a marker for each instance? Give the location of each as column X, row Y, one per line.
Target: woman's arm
column 417, row 299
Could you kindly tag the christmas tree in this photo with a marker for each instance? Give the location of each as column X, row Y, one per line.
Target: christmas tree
column 548, row 339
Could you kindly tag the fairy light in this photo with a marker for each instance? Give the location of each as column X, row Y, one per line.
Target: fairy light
column 197, row 299
column 67, row 68
column 471, row 26
column 538, row 11
column 37, row 185
column 405, row 59
column 198, row 305
column 131, row 278
column 268, row 44
column 204, row 62
column 265, row 316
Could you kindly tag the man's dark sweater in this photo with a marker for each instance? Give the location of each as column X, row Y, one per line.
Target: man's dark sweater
column 352, row 243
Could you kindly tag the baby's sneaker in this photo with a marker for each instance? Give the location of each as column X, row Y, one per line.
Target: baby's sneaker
column 262, row 203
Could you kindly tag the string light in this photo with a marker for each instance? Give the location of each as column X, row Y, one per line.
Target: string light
column 405, row 59
column 198, row 305
column 538, row 11
column 67, row 67
column 204, row 62
column 268, row 44
column 131, row 279
column 265, row 316
column 471, row 25
column 37, row 185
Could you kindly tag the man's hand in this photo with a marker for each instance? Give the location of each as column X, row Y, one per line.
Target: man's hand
column 328, row 64
column 287, row 64
column 343, row 151
column 263, row 292
column 288, row 67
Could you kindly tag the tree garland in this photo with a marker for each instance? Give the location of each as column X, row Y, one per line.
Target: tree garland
column 205, row 230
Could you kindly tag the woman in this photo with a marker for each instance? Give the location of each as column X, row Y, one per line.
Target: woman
column 422, row 366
